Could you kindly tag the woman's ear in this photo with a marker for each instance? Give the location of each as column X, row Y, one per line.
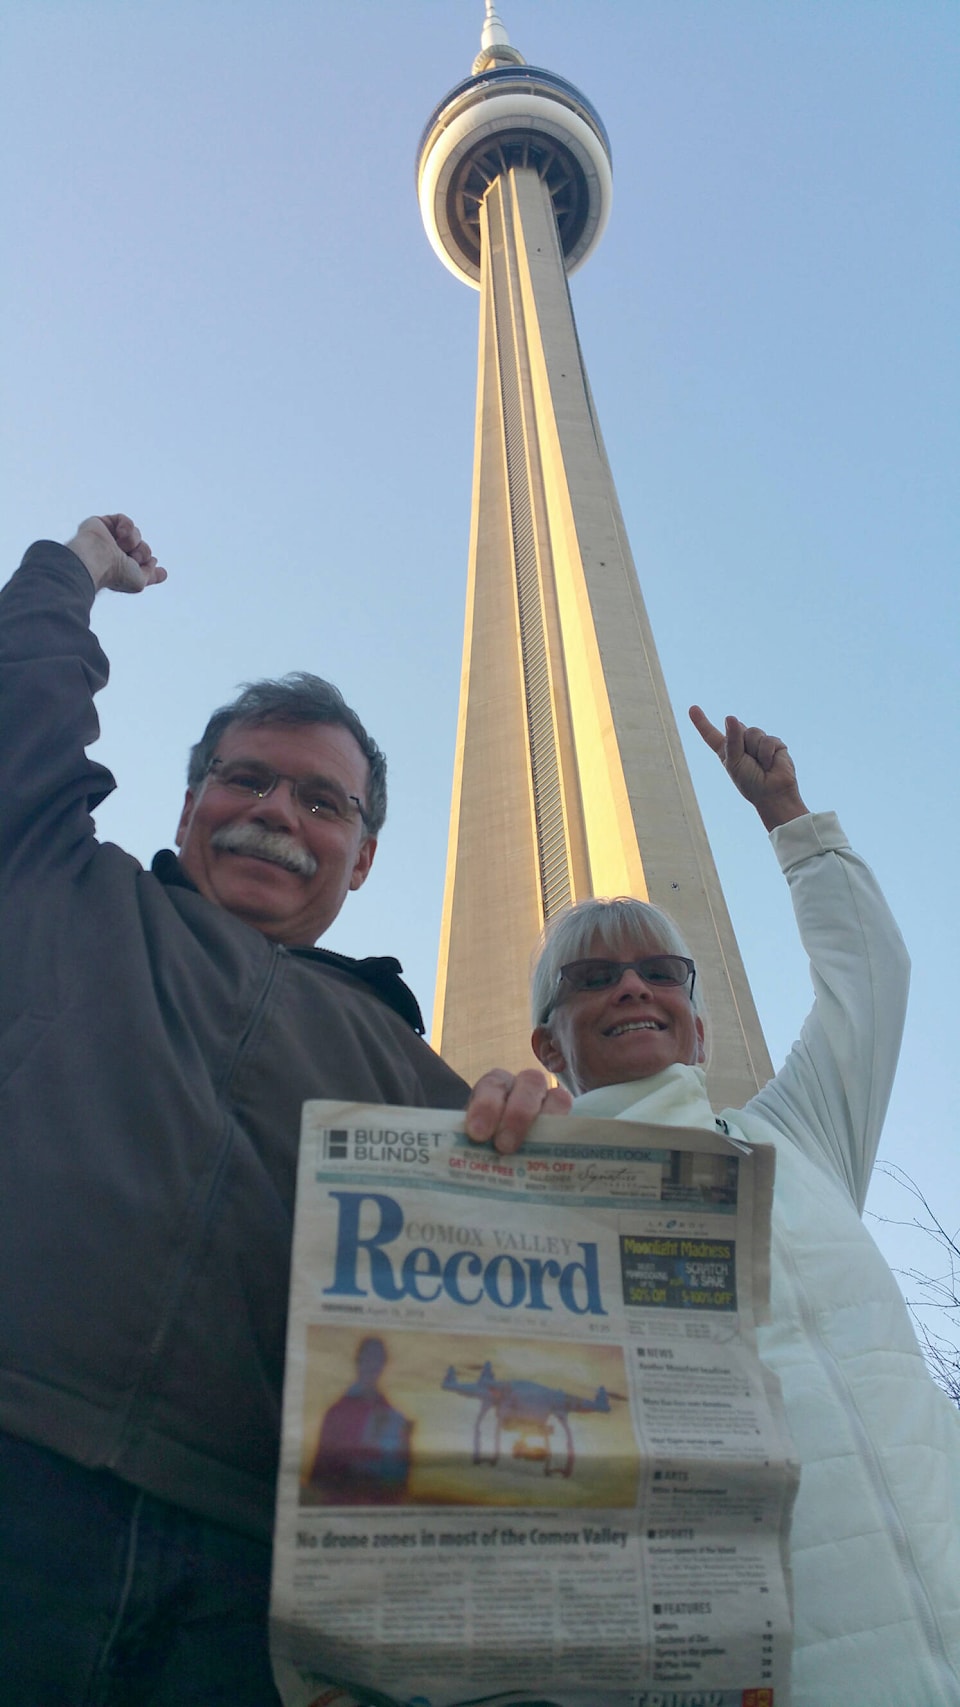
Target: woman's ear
column 548, row 1051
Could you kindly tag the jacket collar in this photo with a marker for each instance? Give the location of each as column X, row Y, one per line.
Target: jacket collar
column 380, row 973
column 675, row 1097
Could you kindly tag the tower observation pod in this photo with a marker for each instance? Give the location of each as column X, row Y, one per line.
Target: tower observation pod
column 569, row 779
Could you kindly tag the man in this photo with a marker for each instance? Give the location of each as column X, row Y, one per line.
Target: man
column 875, row 1543
column 363, row 1453
column 159, row 1032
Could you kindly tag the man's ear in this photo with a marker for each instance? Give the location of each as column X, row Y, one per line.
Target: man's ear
column 548, row 1051
column 701, row 1051
column 189, row 803
column 364, row 861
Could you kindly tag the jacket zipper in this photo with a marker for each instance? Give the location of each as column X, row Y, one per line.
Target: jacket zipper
column 254, row 1017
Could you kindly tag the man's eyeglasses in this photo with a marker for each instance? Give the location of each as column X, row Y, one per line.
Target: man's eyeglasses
column 318, row 796
column 660, row 971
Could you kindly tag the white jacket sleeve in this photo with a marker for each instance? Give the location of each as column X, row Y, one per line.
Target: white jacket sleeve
column 831, row 1095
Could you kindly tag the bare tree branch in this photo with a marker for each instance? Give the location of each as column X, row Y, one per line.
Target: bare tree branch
column 935, row 1308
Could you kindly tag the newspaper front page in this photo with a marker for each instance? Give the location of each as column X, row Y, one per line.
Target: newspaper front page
column 529, row 1453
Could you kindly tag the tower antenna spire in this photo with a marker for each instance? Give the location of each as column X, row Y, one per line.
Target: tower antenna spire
column 493, row 32
column 495, row 45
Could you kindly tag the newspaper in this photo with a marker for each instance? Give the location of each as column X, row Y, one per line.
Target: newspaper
column 529, row 1453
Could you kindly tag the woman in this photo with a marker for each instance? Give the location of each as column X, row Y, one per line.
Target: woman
column 876, row 1530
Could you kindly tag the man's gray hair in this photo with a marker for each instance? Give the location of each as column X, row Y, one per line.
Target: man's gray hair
column 297, row 698
column 621, row 926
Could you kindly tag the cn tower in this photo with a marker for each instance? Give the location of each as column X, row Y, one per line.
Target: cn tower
column 569, row 779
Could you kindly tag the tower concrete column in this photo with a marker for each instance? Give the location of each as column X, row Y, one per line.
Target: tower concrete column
column 570, row 779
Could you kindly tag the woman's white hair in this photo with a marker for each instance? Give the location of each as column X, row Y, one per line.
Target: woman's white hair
column 621, row 926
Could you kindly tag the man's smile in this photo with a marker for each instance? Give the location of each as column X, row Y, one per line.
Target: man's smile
column 253, row 841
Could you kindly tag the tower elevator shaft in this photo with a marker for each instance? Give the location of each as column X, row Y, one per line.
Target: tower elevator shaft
column 570, row 779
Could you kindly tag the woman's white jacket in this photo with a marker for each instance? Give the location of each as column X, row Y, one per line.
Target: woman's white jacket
column 876, row 1529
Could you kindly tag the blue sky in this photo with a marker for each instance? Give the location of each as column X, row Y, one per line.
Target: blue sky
column 220, row 313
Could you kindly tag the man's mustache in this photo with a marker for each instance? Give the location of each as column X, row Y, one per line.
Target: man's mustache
column 271, row 846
